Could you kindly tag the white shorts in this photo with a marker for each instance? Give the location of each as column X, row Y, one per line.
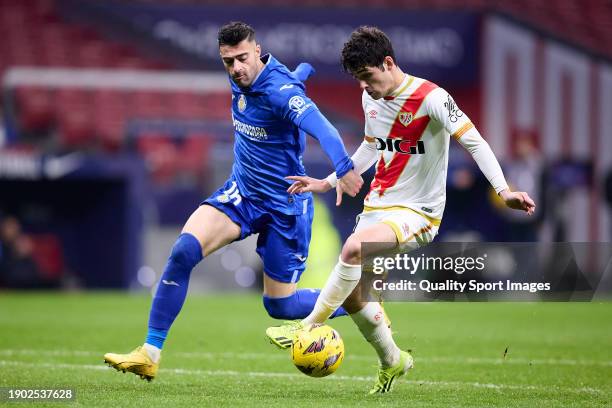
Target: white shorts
column 411, row 227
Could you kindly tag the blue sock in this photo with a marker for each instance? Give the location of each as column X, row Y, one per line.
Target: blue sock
column 297, row 306
column 172, row 290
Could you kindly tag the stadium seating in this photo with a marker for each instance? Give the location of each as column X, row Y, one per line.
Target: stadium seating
column 34, row 34
column 167, row 159
column 35, row 108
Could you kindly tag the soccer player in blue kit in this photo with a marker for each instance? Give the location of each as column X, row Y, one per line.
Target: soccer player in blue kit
column 271, row 115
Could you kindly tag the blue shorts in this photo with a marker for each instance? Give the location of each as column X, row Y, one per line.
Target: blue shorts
column 283, row 239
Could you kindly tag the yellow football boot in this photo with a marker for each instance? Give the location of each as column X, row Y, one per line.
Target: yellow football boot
column 137, row 362
column 386, row 376
column 282, row 336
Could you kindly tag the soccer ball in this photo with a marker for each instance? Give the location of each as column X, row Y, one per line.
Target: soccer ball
column 317, row 350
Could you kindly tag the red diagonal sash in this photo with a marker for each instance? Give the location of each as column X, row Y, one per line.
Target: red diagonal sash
column 387, row 175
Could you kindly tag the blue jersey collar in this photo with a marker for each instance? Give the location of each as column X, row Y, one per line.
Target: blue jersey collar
column 266, row 59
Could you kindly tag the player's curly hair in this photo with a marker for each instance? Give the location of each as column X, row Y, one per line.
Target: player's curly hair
column 367, row 47
column 234, row 32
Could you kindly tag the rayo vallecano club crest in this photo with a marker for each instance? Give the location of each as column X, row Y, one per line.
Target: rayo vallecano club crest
column 241, row 103
column 405, row 118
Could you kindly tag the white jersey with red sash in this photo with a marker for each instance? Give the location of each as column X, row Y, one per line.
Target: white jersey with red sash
column 411, row 129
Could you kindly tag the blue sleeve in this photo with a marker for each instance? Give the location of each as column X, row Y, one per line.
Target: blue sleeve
column 317, row 125
column 290, row 103
column 303, row 71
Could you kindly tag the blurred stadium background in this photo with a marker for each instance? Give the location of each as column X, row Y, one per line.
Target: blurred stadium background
column 116, row 123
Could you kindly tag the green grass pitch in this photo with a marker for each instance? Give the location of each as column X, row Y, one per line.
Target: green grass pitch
column 558, row 354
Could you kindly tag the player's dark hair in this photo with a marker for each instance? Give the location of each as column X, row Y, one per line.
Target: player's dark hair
column 234, row 32
column 367, row 47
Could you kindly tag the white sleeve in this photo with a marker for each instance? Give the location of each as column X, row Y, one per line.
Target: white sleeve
column 442, row 107
column 363, row 158
column 484, row 157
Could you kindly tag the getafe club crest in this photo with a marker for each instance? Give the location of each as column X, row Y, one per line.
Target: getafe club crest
column 405, row 118
column 241, row 103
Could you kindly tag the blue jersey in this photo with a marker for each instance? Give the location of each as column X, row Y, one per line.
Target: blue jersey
column 268, row 141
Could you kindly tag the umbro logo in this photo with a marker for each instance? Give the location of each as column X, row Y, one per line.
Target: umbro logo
column 372, row 114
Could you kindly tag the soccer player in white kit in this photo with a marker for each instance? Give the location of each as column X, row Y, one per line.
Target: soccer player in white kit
column 409, row 122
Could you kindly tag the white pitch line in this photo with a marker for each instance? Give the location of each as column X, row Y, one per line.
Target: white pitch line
column 180, row 371
column 517, row 360
column 280, row 356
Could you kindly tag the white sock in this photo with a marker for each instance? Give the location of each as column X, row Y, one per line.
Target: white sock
column 372, row 324
column 341, row 282
column 153, row 352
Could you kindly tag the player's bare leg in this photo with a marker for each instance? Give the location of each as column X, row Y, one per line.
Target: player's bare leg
column 276, row 289
column 212, row 228
column 206, row 230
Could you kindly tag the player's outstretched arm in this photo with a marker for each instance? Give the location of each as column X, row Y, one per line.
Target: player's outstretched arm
column 303, row 113
column 441, row 107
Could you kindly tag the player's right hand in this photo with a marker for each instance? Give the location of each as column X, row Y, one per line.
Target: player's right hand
column 304, row 184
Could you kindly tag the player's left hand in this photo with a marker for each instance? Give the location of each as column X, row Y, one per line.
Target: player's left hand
column 518, row 200
column 351, row 183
